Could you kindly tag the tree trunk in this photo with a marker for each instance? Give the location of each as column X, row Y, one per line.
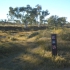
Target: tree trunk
column 25, row 25
column 39, row 21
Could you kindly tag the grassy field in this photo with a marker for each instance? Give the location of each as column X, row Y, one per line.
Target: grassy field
column 31, row 49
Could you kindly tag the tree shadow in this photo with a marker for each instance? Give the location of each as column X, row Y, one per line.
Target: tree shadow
column 63, row 47
column 30, row 28
column 25, row 60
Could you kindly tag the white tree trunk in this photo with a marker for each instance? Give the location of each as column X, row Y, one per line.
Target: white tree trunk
column 25, row 25
column 39, row 21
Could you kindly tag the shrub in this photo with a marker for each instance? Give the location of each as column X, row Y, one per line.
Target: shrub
column 21, row 35
column 60, row 61
column 33, row 34
column 65, row 36
column 44, row 44
column 14, row 39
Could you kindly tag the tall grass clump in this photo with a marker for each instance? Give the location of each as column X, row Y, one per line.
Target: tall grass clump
column 65, row 35
column 60, row 62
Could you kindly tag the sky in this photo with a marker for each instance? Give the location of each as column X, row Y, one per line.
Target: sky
column 55, row 7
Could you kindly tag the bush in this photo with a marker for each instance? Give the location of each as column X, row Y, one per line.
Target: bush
column 60, row 61
column 14, row 39
column 65, row 36
column 33, row 34
column 44, row 44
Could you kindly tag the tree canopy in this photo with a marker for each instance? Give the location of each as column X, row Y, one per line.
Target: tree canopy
column 54, row 20
column 28, row 14
column 34, row 15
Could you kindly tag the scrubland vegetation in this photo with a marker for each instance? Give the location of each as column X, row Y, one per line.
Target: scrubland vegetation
column 25, row 40
column 31, row 49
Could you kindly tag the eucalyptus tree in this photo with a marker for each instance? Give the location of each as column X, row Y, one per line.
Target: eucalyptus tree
column 28, row 9
column 25, row 11
column 7, row 17
column 33, row 15
column 11, row 13
column 52, row 20
column 41, row 19
column 17, row 13
column 61, row 21
column 14, row 13
column 27, row 14
column 39, row 9
column 44, row 14
column 22, row 11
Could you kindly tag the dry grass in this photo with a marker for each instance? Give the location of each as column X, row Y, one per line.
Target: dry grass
column 18, row 52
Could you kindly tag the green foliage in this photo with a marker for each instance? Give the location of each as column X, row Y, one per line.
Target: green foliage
column 31, row 15
column 54, row 20
column 66, row 36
